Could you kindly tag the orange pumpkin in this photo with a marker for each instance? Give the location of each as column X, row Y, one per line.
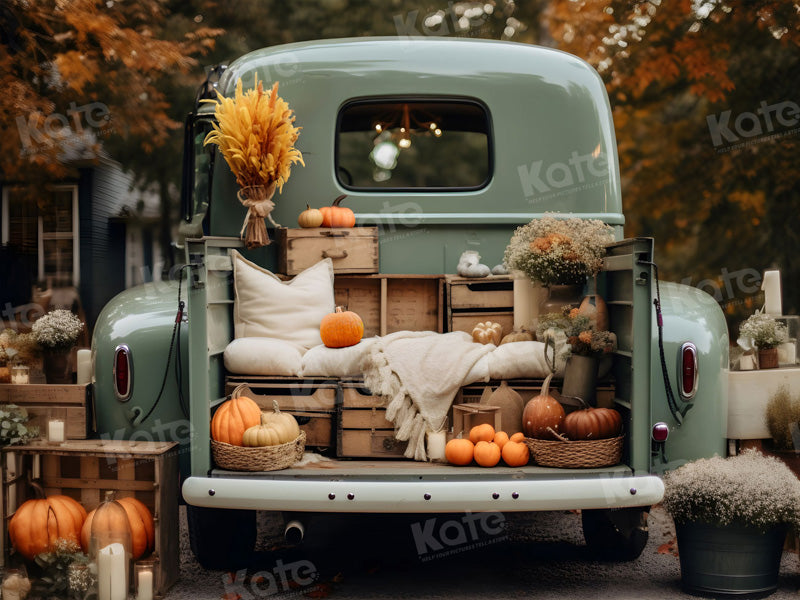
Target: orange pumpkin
column 542, row 413
column 593, row 424
column 234, row 417
column 501, row 439
column 481, row 433
column 38, row 523
column 459, row 451
column 487, row 454
column 516, row 454
column 336, row 215
column 517, row 437
column 341, row 328
column 140, row 522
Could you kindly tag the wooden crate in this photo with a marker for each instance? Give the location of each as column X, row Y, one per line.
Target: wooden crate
column 495, row 292
column 363, row 431
column 313, row 403
column 388, row 303
column 69, row 403
column 352, row 249
column 467, row 321
column 85, row 470
column 471, row 301
column 467, row 415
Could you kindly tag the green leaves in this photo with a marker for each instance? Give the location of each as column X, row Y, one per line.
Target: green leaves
column 13, row 428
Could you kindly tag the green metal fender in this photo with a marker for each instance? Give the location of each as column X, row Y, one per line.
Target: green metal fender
column 691, row 315
column 142, row 318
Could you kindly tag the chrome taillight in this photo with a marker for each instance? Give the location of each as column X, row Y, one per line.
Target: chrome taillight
column 123, row 372
column 687, row 371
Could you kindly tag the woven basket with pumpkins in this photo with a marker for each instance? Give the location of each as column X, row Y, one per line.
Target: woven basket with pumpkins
column 586, row 438
column 243, row 438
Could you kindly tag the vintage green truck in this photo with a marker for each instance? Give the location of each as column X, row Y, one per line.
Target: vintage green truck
column 525, row 131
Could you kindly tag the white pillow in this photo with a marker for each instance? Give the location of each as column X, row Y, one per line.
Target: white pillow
column 336, row 362
column 262, row 356
column 265, row 306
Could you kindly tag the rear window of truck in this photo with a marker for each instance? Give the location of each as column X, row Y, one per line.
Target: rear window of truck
column 403, row 144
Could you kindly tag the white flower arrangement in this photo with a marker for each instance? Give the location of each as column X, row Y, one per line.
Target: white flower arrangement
column 558, row 251
column 764, row 331
column 57, row 330
column 749, row 489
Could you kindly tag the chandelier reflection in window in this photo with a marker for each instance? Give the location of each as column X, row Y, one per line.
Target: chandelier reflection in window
column 394, row 132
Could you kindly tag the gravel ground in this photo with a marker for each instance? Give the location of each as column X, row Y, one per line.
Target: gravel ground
column 538, row 555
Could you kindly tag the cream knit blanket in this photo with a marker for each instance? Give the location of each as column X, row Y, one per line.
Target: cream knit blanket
column 419, row 373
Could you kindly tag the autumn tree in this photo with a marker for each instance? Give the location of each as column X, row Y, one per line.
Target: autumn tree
column 703, row 94
column 80, row 76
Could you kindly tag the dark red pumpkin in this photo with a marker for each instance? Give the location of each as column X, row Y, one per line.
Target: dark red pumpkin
column 542, row 415
column 593, row 424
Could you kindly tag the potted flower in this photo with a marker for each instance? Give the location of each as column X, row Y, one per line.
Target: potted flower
column 765, row 333
column 56, row 333
column 586, row 345
column 256, row 134
column 558, row 254
column 731, row 516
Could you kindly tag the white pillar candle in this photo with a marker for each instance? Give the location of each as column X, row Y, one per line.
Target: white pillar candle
column 112, row 573
column 771, row 286
column 84, row 366
column 55, row 431
column 144, row 586
column 436, row 443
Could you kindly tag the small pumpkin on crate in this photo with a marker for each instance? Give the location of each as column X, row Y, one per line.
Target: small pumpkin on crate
column 39, row 522
column 310, row 218
column 341, row 329
column 336, row 215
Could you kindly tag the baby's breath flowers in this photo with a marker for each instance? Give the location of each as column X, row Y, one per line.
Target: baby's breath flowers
column 764, row 331
column 558, row 251
column 749, row 489
column 256, row 134
column 57, row 330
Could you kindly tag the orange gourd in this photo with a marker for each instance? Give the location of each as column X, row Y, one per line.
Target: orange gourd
column 481, row 433
column 39, row 522
column 593, row 424
column 341, row 328
column 336, row 215
column 516, row 454
column 459, row 451
column 517, row 437
column 501, row 439
column 542, row 414
column 234, row 417
column 487, row 454
column 140, row 522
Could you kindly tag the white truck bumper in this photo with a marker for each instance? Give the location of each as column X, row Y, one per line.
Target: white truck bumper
column 369, row 496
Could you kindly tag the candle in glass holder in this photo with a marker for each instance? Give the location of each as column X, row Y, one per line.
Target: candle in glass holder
column 436, row 443
column 20, row 374
column 55, row 430
column 144, row 578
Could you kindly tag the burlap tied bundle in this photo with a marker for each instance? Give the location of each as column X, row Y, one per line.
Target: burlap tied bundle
column 258, row 201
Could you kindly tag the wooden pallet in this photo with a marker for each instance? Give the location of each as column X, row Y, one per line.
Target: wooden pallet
column 68, row 403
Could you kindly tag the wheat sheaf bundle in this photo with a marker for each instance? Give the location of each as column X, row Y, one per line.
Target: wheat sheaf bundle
column 256, row 134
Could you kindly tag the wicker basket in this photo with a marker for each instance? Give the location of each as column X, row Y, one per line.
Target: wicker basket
column 262, row 458
column 576, row 454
